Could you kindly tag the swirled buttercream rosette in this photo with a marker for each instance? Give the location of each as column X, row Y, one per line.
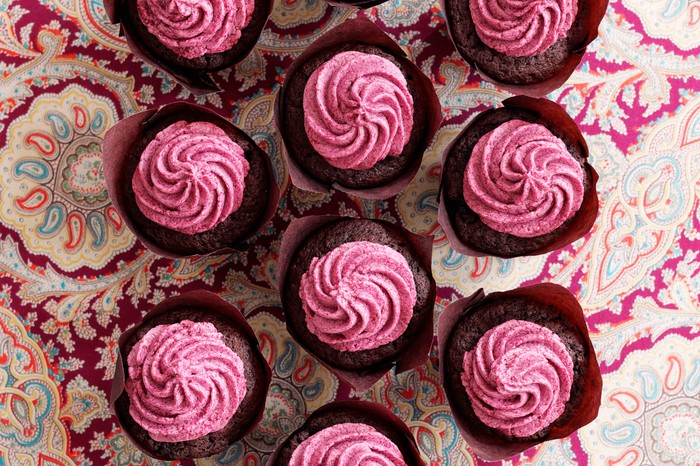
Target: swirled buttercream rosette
column 367, row 114
column 187, row 138
column 182, row 374
column 519, row 180
column 486, row 374
column 355, row 307
column 545, row 38
column 189, row 39
column 356, row 433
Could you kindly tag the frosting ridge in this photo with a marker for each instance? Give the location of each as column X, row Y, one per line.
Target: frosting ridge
column 518, row 377
column 357, row 110
column 347, row 444
column 522, row 180
column 192, row 28
column 184, row 382
column 520, row 28
column 358, row 296
column 191, row 177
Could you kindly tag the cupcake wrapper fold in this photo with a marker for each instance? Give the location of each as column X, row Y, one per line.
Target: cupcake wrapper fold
column 594, row 16
column 416, row 354
column 375, row 410
column 199, row 299
column 585, row 216
column 361, row 31
column 197, row 82
column 115, row 149
column 495, row 449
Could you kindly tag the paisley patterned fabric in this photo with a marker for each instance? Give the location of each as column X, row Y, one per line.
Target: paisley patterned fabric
column 72, row 277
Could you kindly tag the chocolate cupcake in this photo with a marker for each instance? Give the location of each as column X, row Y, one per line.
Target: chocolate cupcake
column 187, row 181
column 355, row 114
column 358, row 295
column 518, row 368
column 516, row 182
column 528, row 48
column 189, row 39
column 349, row 432
column 190, row 379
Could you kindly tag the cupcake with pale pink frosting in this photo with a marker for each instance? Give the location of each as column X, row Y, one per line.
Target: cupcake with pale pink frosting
column 516, row 182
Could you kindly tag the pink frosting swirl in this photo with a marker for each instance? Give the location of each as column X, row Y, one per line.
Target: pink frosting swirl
column 191, row 176
column 520, row 28
column 358, row 296
column 347, row 444
column 192, row 28
column 184, row 382
column 521, row 180
column 357, row 110
column 518, row 377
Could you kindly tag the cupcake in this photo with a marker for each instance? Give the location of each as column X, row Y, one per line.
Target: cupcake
column 358, row 295
column 190, row 38
column 527, row 48
column 516, row 182
column 186, row 181
column 357, row 433
column 190, row 378
column 518, row 368
column 355, row 114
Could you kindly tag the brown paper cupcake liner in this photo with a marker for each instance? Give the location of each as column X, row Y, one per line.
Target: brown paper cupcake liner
column 199, row 299
column 197, row 82
column 361, row 31
column 592, row 20
column 585, row 216
column 494, row 449
column 117, row 144
column 297, row 231
column 371, row 409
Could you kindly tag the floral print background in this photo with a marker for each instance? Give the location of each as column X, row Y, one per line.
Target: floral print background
column 72, row 277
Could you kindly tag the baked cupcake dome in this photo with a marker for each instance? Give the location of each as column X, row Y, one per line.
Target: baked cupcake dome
column 124, row 148
column 391, row 89
column 555, row 167
column 367, row 422
column 501, row 408
column 182, row 317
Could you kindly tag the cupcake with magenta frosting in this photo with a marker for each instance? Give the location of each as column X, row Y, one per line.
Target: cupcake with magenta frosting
column 355, row 114
column 190, row 379
column 357, row 433
column 358, row 295
column 190, row 38
column 516, row 182
column 518, row 368
column 527, row 48
column 186, row 181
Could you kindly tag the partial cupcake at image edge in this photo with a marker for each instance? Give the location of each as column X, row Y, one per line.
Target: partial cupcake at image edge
column 188, row 182
column 355, row 114
column 198, row 38
column 190, row 378
column 358, row 295
column 518, row 368
column 528, row 48
column 358, row 433
column 516, row 182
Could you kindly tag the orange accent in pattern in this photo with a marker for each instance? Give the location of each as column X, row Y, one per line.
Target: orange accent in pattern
column 618, row 397
column 674, row 375
column 34, row 139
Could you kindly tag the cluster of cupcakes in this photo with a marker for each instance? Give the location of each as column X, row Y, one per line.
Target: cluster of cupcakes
column 356, row 115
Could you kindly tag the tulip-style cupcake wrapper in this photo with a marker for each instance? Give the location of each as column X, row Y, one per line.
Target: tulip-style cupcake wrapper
column 360, row 31
column 549, row 294
column 115, row 150
column 197, row 299
column 584, row 218
column 372, row 410
column 197, row 82
column 416, row 354
column 592, row 18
